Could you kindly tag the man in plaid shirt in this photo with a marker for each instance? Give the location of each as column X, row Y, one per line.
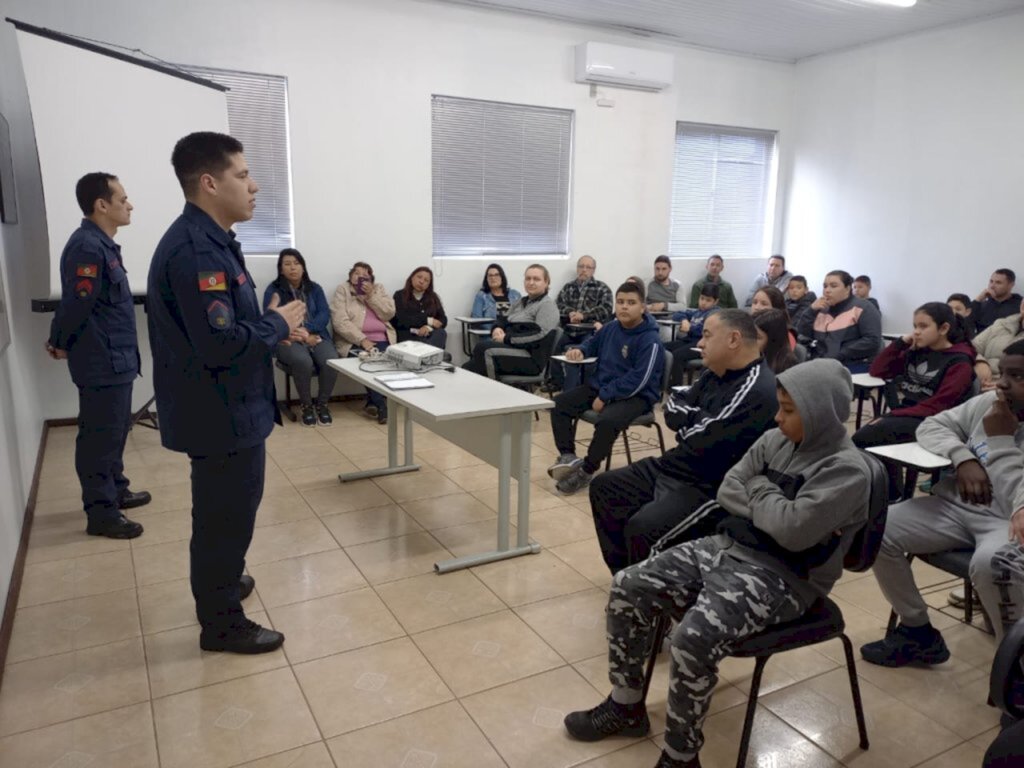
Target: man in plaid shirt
column 584, row 300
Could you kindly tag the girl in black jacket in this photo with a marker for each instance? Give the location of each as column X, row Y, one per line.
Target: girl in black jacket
column 419, row 313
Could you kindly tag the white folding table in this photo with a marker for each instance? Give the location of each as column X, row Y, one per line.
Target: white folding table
column 489, row 419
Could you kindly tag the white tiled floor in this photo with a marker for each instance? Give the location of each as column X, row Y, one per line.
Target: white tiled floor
column 388, row 664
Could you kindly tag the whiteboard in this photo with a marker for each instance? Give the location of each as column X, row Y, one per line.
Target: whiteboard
column 95, row 112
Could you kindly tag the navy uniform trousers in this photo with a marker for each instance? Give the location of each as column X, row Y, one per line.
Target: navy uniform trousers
column 104, row 418
column 226, row 492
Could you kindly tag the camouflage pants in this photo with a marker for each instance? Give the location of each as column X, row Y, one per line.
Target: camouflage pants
column 717, row 601
column 1008, row 578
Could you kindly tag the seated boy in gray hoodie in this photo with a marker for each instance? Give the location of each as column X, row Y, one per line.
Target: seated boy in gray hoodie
column 795, row 501
column 981, row 506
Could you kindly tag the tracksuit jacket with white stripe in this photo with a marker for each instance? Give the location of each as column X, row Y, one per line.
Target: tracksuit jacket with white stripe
column 630, row 361
column 716, row 421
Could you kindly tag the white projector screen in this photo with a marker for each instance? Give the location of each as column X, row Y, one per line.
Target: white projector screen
column 130, row 134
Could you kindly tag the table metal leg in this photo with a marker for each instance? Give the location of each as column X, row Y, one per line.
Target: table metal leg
column 521, row 445
column 396, row 411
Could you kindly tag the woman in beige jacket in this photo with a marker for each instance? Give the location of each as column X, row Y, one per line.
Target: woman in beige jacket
column 990, row 344
column 361, row 311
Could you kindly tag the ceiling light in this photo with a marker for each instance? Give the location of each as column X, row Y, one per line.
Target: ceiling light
column 896, row 3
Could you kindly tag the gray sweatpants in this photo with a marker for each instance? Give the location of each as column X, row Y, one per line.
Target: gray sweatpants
column 717, row 600
column 936, row 524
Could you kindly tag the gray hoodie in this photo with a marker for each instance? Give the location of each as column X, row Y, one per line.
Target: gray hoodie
column 959, row 435
column 794, row 508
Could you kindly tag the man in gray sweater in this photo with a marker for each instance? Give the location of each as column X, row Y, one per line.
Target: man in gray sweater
column 795, row 501
column 980, row 507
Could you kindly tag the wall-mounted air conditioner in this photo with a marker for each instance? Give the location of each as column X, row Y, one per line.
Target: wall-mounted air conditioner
column 623, row 67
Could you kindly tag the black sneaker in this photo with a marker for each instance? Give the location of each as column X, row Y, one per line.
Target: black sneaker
column 371, row 410
column 564, row 466
column 905, row 645
column 665, row 761
column 382, row 417
column 575, row 481
column 323, row 415
column 118, row 528
column 131, row 500
column 244, row 637
column 308, row 416
column 608, row 719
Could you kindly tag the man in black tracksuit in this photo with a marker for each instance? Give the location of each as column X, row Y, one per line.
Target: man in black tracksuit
column 716, row 421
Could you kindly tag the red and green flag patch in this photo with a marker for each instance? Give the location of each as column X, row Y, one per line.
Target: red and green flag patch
column 212, row 281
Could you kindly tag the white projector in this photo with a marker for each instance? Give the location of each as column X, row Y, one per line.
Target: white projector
column 414, row 355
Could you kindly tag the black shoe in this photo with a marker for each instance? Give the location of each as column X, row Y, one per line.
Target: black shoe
column 118, row 528
column 245, row 637
column 323, row 415
column 907, row 645
column 131, row 500
column 608, row 719
column 382, row 418
column 670, row 762
column 246, row 584
column 308, row 417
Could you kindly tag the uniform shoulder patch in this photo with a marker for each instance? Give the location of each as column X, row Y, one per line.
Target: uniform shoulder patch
column 241, row 279
column 212, row 281
column 83, row 288
column 219, row 314
column 87, row 270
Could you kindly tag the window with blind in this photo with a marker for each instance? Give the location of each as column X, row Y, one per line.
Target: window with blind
column 723, row 191
column 502, row 178
column 258, row 117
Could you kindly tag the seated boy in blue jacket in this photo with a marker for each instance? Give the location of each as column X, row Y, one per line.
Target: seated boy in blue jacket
column 691, row 328
column 794, row 503
column 627, row 383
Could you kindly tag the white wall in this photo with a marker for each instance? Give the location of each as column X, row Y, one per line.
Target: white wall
column 908, row 164
column 361, row 73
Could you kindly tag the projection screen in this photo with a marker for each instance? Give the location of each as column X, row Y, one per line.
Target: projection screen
column 97, row 110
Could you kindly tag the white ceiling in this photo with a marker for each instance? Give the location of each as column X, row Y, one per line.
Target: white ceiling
column 784, row 30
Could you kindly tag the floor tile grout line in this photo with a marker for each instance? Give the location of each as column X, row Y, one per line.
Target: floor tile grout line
column 145, row 659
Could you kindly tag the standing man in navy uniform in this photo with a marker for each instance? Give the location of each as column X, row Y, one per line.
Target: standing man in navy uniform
column 94, row 330
column 214, row 379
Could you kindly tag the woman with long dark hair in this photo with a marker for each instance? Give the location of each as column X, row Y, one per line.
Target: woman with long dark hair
column 310, row 355
column 933, row 370
column 773, row 339
column 419, row 313
column 494, row 298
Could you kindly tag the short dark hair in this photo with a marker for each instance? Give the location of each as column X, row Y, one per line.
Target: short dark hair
column 711, row 290
column 364, row 265
column 663, row 259
column 963, row 298
column 715, row 256
column 799, row 279
column 1008, row 273
column 1017, row 348
column 739, row 320
column 863, row 279
column 92, row 187
column 202, row 152
column 778, row 256
column 843, row 276
column 632, row 287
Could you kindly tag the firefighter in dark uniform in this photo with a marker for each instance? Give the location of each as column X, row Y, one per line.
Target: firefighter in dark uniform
column 214, row 379
column 94, row 330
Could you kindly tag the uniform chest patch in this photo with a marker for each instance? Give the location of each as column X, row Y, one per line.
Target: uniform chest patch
column 83, row 288
column 219, row 314
column 212, row 281
column 625, row 350
column 87, row 270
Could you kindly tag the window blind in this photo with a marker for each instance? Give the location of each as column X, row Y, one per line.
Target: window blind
column 501, row 178
column 258, row 117
column 722, row 191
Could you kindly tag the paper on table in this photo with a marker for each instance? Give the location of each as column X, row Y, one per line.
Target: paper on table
column 415, row 383
column 386, row 377
column 564, row 359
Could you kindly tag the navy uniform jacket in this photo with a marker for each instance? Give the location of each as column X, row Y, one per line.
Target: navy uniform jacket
column 212, row 345
column 95, row 321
